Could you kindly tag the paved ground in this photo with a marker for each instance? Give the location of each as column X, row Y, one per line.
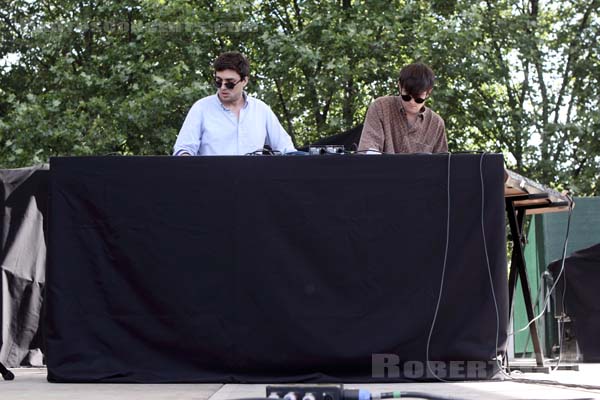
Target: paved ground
column 31, row 383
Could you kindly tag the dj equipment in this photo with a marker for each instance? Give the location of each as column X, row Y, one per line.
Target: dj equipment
column 306, row 392
column 337, row 392
column 534, row 197
column 326, row 150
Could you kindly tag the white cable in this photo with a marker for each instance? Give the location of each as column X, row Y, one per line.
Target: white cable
column 437, row 307
column 536, row 305
column 487, row 260
column 491, row 280
column 563, row 272
column 547, row 300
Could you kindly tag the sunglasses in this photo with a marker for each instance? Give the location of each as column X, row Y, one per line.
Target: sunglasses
column 228, row 85
column 407, row 97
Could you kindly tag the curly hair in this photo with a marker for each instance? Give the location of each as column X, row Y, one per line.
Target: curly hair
column 234, row 61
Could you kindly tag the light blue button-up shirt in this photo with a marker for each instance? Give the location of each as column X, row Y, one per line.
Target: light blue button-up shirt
column 211, row 129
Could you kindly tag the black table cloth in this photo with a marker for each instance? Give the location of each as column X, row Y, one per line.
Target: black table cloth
column 271, row 269
column 577, row 291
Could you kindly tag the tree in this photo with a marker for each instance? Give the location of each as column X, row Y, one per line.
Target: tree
column 515, row 76
column 526, row 84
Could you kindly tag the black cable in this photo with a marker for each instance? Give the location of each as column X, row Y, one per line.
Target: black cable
column 555, row 383
column 414, row 395
column 563, row 272
column 561, row 337
column 421, row 395
column 265, row 151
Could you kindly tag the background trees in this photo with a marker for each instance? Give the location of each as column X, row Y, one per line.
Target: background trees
column 515, row 76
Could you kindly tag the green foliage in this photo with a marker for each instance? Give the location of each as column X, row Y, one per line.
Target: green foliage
column 87, row 77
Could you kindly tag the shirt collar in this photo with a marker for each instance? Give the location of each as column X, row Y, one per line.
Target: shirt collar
column 403, row 111
column 244, row 95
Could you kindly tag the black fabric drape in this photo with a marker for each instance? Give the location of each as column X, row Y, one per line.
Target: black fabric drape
column 581, row 298
column 23, row 254
column 265, row 269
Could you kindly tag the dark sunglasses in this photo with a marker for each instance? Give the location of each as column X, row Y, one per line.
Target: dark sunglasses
column 407, row 97
column 228, row 85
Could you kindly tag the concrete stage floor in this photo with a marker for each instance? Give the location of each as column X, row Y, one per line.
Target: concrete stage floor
column 31, row 383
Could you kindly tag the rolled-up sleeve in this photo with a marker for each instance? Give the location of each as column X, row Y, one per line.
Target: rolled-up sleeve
column 441, row 145
column 190, row 135
column 372, row 136
column 277, row 137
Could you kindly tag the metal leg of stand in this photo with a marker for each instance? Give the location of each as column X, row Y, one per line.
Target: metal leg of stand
column 512, row 282
column 6, row 374
column 516, row 219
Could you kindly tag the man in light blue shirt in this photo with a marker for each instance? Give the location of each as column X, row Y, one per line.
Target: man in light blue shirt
column 231, row 122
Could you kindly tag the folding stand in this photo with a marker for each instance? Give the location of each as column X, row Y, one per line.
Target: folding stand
column 517, row 207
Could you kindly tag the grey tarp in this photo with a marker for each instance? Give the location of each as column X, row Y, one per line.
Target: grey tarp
column 23, row 268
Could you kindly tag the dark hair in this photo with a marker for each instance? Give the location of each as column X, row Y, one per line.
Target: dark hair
column 416, row 78
column 234, row 61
